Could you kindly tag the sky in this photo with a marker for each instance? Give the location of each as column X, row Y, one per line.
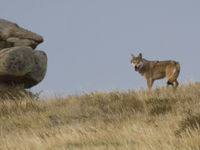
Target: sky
column 89, row 42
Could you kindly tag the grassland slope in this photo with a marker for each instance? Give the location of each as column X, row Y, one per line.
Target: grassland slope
column 161, row 120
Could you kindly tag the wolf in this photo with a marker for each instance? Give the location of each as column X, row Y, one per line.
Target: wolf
column 155, row 70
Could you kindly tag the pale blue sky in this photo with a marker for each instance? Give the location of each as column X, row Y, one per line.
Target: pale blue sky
column 89, row 42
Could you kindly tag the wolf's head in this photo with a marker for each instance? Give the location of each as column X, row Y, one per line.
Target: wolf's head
column 137, row 62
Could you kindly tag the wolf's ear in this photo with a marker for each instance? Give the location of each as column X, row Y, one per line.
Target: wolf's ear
column 140, row 55
column 132, row 56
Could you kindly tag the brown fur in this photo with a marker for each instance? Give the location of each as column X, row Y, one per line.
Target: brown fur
column 154, row 70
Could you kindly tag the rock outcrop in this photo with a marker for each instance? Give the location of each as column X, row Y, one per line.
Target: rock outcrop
column 20, row 64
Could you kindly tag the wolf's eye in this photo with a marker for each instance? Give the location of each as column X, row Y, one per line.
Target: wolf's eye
column 135, row 61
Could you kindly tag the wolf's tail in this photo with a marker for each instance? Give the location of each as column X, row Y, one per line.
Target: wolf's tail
column 178, row 68
column 172, row 78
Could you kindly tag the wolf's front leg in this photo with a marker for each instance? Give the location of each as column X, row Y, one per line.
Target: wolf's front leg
column 149, row 83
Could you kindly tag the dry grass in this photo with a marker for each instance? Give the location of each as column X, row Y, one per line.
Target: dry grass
column 161, row 120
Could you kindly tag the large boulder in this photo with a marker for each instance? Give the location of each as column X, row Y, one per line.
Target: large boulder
column 20, row 64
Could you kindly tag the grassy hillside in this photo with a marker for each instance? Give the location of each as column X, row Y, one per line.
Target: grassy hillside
column 161, row 120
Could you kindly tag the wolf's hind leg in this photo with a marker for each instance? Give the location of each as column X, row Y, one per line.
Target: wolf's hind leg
column 176, row 84
column 169, row 83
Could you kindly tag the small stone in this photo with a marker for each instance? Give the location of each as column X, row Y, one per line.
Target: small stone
column 13, row 39
column 22, row 42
